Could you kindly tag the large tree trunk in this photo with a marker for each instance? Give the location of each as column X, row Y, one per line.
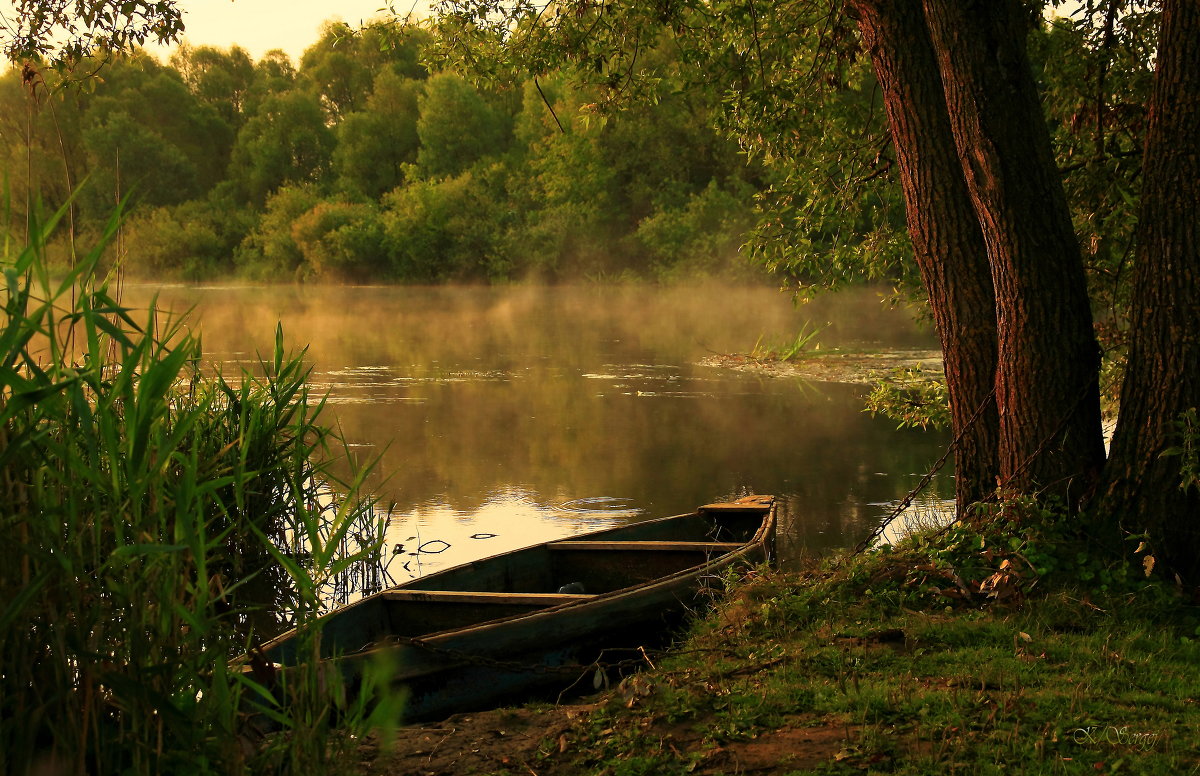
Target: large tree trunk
column 1047, row 387
column 1162, row 377
column 945, row 233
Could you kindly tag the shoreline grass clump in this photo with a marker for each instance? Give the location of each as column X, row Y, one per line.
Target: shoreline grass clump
column 158, row 521
column 797, row 349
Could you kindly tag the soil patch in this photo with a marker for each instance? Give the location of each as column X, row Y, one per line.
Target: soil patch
column 793, row 746
column 484, row 742
column 541, row 741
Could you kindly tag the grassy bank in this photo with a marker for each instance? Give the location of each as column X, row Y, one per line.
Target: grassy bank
column 962, row 655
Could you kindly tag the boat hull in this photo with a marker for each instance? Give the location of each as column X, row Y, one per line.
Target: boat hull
column 496, row 629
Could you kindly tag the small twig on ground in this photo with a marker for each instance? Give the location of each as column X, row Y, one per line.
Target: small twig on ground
column 439, row 743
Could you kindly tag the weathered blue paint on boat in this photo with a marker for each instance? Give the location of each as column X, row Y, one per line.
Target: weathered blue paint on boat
column 480, row 633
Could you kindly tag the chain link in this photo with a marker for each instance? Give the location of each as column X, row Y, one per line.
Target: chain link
column 912, row 494
column 907, row 502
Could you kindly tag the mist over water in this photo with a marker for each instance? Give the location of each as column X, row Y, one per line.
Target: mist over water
column 511, row 415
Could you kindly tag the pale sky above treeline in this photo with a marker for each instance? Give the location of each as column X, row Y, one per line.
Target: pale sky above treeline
column 292, row 25
column 261, row 25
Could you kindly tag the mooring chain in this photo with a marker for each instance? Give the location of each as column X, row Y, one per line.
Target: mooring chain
column 907, row 501
column 1041, row 448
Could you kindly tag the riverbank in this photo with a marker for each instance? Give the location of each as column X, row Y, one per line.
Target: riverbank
column 834, row 366
column 912, row 662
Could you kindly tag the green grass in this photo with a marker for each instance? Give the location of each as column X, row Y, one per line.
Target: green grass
column 788, row 351
column 1067, row 681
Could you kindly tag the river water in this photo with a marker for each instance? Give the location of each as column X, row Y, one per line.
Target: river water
column 505, row 416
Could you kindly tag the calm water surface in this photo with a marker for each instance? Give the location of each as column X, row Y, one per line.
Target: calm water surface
column 508, row 416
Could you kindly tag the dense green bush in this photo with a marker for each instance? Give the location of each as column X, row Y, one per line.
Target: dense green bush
column 270, row 251
column 191, row 241
column 440, row 229
column 701, row 237
column 341, row 241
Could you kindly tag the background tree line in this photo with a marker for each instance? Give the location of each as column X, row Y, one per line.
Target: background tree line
column 363, row 164
column 386, row 156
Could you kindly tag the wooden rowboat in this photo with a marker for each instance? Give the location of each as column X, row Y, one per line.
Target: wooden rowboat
column 487, row 631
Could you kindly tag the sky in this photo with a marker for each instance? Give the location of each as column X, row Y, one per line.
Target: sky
column 261, row 25
column 292, row 25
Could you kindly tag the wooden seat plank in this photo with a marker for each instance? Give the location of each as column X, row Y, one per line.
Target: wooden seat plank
column 735, row 507
column 646, row 546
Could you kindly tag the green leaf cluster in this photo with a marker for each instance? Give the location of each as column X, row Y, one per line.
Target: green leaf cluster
column 912, row 397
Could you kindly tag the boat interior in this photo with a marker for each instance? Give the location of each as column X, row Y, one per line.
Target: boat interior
column 608, row 560
column 539, row 577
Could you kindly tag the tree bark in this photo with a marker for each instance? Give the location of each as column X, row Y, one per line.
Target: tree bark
column 1162, row 376
column 1047, row 386
column 946, row 238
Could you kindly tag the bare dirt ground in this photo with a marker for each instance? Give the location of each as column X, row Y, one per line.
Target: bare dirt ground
column 542, row 742
column 485, row 742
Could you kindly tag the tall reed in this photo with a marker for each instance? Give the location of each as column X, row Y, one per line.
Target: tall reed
column 155, row 520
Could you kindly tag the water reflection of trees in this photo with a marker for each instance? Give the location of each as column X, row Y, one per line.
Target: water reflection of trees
column 577, row 392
